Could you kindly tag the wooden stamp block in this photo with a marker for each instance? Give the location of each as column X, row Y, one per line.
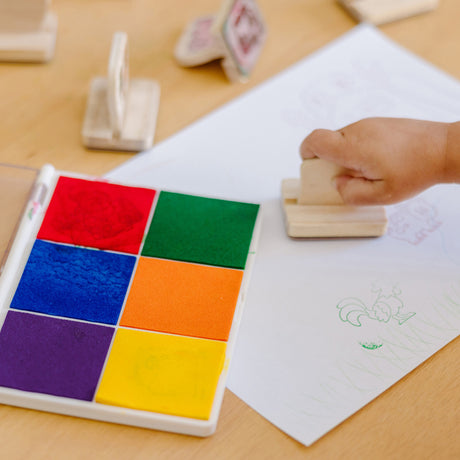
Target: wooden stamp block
column 383, row 11
column 235, row 36
column 27, row 30
column 313, row 208
column 121, row 113
column 315, row 183
column 197, row 44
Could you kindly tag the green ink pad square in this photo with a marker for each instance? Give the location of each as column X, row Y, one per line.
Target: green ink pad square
column 202, row 230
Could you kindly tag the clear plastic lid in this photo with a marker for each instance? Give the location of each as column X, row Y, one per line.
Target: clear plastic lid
column 16, row 184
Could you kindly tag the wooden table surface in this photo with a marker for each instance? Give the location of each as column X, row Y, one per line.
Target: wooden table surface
column 41, row 113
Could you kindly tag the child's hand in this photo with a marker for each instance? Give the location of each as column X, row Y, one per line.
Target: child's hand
column 387, row 159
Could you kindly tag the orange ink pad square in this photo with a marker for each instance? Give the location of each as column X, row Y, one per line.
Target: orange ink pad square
column 182, row 298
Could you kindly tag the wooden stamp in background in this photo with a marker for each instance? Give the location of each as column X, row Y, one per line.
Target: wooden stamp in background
column 383, row 11
column 121, row 113
column 235, row 36
column 314, row 208
column 27, row 30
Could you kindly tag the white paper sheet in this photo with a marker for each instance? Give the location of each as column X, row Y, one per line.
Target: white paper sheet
column 328, row 324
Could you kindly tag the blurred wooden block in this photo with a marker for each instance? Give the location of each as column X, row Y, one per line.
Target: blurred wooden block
column 383, row 11
column 197, row 45
column 121, row 113
column 315, row 183
column 235, row 36
column 28, row 30
column 314, row 209
column 22, row 15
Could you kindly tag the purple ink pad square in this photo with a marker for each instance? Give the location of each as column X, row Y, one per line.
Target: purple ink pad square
column 74, row 282
column 52, row 356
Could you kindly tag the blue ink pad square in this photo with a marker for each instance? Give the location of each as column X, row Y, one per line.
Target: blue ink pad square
column 74, row 282
column 52, row 356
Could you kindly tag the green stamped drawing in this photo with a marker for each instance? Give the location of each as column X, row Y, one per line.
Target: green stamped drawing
column 386, row 306
column 371, row 345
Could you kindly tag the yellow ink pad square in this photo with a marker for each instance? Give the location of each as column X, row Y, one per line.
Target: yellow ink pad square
column 162, row 373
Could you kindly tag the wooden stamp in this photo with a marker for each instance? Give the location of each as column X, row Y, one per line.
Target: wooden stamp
column 235, row 36
column 314, row 208
column 27, row 30
column 121, row 113
column 383, row 11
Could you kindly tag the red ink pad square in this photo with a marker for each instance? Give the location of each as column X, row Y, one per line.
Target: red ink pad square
column 97, row 214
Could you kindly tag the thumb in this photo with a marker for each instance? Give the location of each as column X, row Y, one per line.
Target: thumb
column 323, row 143
column 359, row 190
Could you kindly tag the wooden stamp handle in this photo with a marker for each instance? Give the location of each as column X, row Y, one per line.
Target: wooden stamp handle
column 316, row 183
column 117, row 81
